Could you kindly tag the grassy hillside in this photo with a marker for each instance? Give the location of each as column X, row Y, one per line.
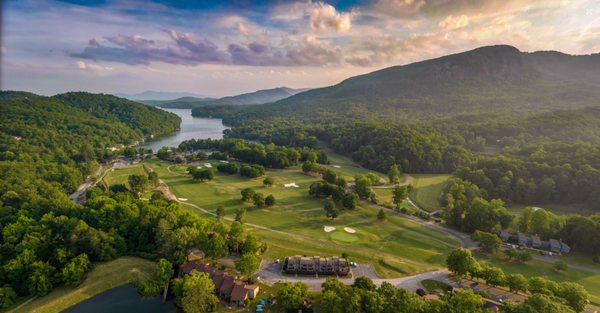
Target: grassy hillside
column 103, row 277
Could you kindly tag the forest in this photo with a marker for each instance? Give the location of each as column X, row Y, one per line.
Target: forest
column 48, row 146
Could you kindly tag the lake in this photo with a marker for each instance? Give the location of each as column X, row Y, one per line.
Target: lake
column 191, row 128
column 123, row 299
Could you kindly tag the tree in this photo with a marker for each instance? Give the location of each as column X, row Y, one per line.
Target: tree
column 163, row 272
column 493, row 276
column 258, row 199
column 400, row 193
column 137, row 183
column 330, row 210
column 270, row 200
column 330, row 302
column 220, row 211
column 523, row 256
column 540, row 303
column 517, row 283
column 460, row 262
column 252, row 171
column 153, row 179
column 561, row 266
column 248, row 264
column 247, row 194
column 239, row 215
column 350, row 200
column 39, row 281
column 236, row 236
column 488, row 242
column 268, row 181
column 217, row 247
column 574, row 294
column 7, row 297
column 228, row 168
column 364, row 283
column 73, row 272
column 290, row 296
column 394, row 174
column 381, row 215
column 195, row 293
column 203, row 174
column 464, row 300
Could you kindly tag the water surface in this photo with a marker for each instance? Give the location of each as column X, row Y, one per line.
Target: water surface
column 191, row 127
column 123, row 299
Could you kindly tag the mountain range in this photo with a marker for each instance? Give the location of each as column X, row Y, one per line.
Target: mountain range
column 157, row 95
column 493, row 79
column 257, row 97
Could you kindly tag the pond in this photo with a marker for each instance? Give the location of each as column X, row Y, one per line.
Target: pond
column 123, row 299
column 191, row 128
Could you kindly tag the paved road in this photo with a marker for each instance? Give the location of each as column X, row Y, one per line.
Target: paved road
column 79, row 195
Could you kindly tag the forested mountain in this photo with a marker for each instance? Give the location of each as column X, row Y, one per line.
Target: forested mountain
column 498, row 79
column 149, row 120
column 257, row 97
column 157, row 95
column 47, row 147
column 56, row 139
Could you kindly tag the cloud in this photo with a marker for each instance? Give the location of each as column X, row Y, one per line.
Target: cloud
column 184, row 49
column 321, row 17
column 324, row 17
column 452, row 22
column 81, row 65
column 135, row 50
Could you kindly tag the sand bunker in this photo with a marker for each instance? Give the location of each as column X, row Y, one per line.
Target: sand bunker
column 182, row 199
column 336, row 166
column 223, row 161
column 328, row 229
column 349, row 230
column 291, row 185
column 198, row 166
column 207, row 164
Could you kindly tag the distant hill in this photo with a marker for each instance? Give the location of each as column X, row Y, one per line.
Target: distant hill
column 16, row 95
column 257, row 97
column 157, row 95
column 497, row 79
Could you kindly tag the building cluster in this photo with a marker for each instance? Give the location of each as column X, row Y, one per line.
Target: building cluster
column 316, row 265
column 230, row 290
column 534, row 241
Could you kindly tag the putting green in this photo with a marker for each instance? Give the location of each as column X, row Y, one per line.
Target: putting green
column 343, row 236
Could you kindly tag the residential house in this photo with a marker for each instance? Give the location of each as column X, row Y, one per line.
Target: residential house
column 555, row 245
column 316, row 265
column 239, row 294
column 536, row 242
column 523, row 239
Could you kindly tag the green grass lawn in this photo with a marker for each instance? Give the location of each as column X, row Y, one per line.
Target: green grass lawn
column 299, row 214
column 119, row 175
column 556, row 208
column 345, row 165
column 434, row 286
column 103, row 277
column 427, row 190
column 538, row 268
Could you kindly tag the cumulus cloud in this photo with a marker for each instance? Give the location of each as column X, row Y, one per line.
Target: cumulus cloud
column 322, row 17
column 452, row 22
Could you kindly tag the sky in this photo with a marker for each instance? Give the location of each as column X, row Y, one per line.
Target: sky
column 220, row 48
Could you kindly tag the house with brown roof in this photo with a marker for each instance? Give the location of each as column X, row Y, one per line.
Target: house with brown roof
column 229, row 289
column 239, row 294
column 226, row 287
